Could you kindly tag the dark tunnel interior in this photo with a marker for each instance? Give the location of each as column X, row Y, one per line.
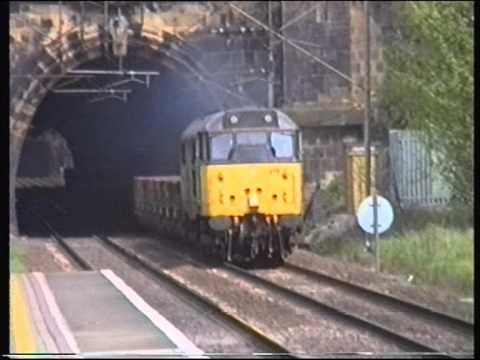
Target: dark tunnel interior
column 111, row 142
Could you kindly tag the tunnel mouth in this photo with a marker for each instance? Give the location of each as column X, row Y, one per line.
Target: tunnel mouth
column 111, row 143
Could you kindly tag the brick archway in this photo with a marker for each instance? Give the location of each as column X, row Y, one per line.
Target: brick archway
column 27, row 94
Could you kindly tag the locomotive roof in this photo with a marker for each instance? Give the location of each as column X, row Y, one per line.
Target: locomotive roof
column 214, row 122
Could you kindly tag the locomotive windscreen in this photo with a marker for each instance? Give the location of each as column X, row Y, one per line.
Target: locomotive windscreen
column 250, row 119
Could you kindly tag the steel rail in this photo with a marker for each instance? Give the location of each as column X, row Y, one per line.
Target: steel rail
column 275, row 347
column 404, row 342
column 413, row 347
column 454, row 322
column 84, row 265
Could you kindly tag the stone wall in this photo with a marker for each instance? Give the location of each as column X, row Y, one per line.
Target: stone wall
column 379, row 15
column 334, row 31
column 44, row 41
column 330, row 109
column 324, row 152
column 325, row 32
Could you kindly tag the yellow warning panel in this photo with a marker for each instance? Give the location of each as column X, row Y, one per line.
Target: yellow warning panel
column 355, row 173
column 21, row 331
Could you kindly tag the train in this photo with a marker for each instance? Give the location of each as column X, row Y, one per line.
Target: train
column 239, row 194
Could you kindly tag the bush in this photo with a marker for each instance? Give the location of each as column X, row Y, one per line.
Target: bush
column 429, row 85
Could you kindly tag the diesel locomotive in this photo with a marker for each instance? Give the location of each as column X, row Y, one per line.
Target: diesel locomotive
column 239, row 193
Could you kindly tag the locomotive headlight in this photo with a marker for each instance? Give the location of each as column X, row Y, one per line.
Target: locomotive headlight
column 233, row 119
column 268, row 118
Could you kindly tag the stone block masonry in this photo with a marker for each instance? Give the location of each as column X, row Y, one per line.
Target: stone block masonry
column 331, row 30
column 324, row 151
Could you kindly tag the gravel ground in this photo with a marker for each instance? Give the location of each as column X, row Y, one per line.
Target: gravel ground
column 405, row 323
column 429, row 297
column 299, row 329
column 204, row 329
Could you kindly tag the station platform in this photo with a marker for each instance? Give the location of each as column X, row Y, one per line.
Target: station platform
column 88, row 314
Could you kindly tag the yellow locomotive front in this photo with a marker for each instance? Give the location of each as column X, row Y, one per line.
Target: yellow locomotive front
column 236, row 190
column 247, row 188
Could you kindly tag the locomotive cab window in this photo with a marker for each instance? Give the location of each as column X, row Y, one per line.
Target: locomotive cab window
column 197, row 147
column 220, row 146
column 252, row 146
column 282, row 145
column 252, row 138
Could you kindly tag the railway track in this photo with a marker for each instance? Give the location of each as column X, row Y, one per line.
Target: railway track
column 270, row 344
column 412, row 346
column 266, row 345
column 415, row 346
column 433, row 332
column 438, row 318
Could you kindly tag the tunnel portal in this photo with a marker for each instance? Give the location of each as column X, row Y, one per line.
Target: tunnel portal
column 111, row 141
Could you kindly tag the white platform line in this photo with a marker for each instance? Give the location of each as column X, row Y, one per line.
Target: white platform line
column 38, row 319
column 178, row 338
column 148, row 352
column 56, row 313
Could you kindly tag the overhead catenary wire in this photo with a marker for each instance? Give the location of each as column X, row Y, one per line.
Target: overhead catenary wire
column 301, row 16
column 92, row 91
column 297, row 47
column 204, row 76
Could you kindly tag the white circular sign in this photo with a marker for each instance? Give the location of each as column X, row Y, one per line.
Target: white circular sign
column 384, row 215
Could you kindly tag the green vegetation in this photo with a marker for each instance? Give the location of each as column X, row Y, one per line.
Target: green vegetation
column 435, row 256
column 419, row 219
column 429, row 85
column 349, row 251
column 336, row 192
column 17, row 258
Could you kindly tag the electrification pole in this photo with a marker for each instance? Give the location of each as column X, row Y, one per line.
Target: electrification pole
column 368, row 166
column 271, row 64
column 367, row 139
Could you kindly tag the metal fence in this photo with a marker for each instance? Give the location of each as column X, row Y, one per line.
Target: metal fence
column 417, row 180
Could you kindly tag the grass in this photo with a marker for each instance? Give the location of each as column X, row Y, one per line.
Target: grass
column 437, row 256
column 17, row 258
column 419, row 219
column 433, row 245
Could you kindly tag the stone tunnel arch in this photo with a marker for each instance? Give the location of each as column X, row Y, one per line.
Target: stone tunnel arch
column 26, row 95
